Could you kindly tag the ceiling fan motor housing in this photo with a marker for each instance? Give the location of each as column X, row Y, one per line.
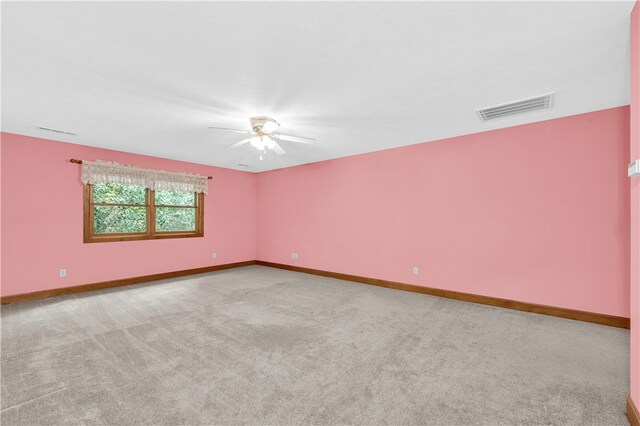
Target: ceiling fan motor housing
column 257, row 123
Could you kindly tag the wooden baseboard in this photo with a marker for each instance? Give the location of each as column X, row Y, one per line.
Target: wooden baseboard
column 597, row 318
column 24, row 297
column 604, row 319
column 632, row 413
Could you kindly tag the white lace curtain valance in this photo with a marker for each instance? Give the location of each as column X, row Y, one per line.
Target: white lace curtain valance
column 159, row 180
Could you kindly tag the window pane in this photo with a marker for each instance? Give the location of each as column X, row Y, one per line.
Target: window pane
column 118, row 194
column 175, row 219
column 119, row 219
column 175, row 198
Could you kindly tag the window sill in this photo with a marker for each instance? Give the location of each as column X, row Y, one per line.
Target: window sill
column 138, row 237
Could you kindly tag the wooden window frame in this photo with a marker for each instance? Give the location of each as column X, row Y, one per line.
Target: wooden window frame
column 151, row 234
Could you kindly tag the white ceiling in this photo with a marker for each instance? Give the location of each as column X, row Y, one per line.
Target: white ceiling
column 150, row 77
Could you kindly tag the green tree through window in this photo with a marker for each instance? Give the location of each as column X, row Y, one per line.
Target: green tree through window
column 119, row 208
column 118, row 212
column 175, row 211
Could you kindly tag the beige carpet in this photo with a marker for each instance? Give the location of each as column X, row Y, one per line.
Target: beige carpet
column 263, row 346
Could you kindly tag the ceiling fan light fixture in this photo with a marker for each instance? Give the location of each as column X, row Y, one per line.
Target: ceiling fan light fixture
column 262, row 136
column 257, row 142
column 270, row 143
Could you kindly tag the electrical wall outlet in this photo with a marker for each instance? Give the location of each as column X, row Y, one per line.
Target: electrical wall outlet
column 214, row 255
column 416, row 271
column 63, row 273
column 294, row 255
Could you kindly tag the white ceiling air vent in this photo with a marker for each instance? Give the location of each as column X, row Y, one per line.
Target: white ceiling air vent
column 48, row 129
column 534, row 103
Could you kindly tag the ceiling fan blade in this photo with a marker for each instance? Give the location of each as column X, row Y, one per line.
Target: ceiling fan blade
column 237, row 144
column 230, row 130
column 293, row 138
column 277, row 148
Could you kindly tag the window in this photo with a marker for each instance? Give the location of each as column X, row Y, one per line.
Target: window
column 114, row 212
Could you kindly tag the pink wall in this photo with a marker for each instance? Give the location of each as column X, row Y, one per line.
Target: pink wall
column 635, row 206
column 1, row 227
column 536, row 213
column 42, row 220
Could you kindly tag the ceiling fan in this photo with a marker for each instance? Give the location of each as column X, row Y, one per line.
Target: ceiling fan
column 263, row 136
